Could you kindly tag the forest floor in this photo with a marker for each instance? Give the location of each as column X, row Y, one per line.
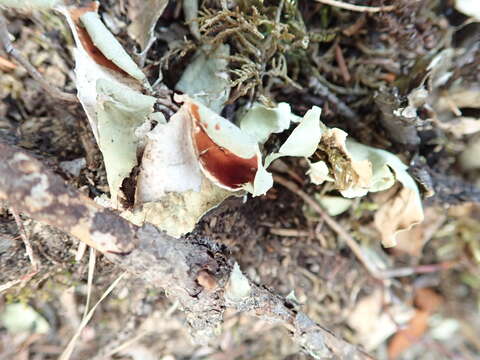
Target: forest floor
column 359, row 67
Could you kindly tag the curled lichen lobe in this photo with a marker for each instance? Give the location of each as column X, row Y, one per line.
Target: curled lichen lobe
column 229, row 169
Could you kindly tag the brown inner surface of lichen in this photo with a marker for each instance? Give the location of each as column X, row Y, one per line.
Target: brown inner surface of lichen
column 87, row 42
column 229, row 169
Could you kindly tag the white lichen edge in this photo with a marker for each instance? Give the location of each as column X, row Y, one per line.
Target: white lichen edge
column 238, row 288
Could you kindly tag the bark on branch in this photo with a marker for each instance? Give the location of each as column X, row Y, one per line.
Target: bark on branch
column 31, row 189
column 194, row 271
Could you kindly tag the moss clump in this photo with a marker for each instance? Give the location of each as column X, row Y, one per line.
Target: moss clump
column 264, row 38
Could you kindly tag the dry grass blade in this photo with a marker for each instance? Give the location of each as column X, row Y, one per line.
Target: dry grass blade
column 24, row 279
column 26, row 240
column 91, row 270
column 67, row 353
column 8, row 285
column 82, row 247
column 359, row 8
column 125, row 345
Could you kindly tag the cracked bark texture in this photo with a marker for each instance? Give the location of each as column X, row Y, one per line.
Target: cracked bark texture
column 192, row 270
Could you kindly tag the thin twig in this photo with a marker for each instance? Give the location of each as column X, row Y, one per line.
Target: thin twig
column 359, row 8
column 290, row 232
column 67, row 353
column 82, row 247
column 126, row 344
column 14, row 53
column 91, row 270
column 9, row 284
column 349, row 240
column 26, row 240
column 342, row 64
column 420, row 269
column 24, row 279
column 344, row 110
column 279, row 11
column 356, row 26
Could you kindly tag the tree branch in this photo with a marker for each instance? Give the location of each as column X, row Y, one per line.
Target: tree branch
column 192, row 270
column 31, row 189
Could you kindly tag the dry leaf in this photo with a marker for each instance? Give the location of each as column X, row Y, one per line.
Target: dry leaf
column 399, row 213
column 372, row 323
column 405, row 338
column 413, row 240
column 427, row 301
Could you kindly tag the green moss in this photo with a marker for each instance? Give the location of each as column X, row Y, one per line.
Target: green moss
column 263, row 38
column 43, row 291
